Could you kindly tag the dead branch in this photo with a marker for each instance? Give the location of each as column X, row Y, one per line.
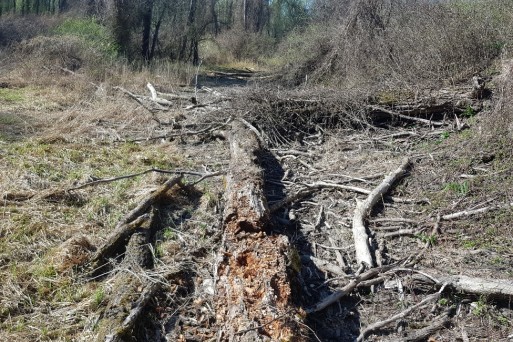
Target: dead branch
column 176, row 172
column 127, row 302
column 324, row 265
column 422, row 334
column 206, row 130
column 291, row 199
column 142, row 207
column 323, row 185
column 375, row 326
column 337, row 295
column 402, row 232
column 405, row 117
column 466, row 213
column 363, row 254
column 254, row 130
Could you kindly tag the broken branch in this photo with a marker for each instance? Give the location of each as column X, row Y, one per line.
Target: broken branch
column 363, row 254
column 429, row 299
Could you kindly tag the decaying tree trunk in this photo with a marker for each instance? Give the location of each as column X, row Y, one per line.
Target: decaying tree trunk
column 253, row 291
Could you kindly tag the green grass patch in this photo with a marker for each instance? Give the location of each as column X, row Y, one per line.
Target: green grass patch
column 91, row 32
column 11, row 95
column 460, row 189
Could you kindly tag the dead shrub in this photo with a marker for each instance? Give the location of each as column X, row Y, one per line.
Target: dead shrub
column 393, row 43
column 61, row 52
column 496, row 131
column 14, row 29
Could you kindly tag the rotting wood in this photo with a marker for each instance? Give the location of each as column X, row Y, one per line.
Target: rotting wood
column 361, row 239
column 253, row 291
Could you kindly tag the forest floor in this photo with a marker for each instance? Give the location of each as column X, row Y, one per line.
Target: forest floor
column 61, row 145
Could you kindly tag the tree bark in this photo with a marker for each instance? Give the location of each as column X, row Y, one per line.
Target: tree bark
column 254, row 295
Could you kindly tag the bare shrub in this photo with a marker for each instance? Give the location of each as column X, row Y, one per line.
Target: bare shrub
column 14, row 29
column 496, row 130
column 394, row 43
column 245, row 45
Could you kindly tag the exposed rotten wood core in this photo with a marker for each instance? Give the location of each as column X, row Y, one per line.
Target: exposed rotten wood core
column 254, row 296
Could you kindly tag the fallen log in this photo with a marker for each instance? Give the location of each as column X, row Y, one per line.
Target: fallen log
column 491, row 288
column 253, row 290
column 361, row 239
column 128, row 225
column 131, row 294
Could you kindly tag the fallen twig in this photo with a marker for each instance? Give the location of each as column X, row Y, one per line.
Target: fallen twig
column 466, row 213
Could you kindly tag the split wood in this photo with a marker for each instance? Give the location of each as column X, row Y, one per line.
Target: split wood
column 361, row 239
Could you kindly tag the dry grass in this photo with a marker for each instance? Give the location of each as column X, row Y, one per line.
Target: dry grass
column 56, row 131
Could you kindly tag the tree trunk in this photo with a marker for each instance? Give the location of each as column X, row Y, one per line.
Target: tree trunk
column 213, row 13
column 146, row 22
column 254, row 296
column 156, row 33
